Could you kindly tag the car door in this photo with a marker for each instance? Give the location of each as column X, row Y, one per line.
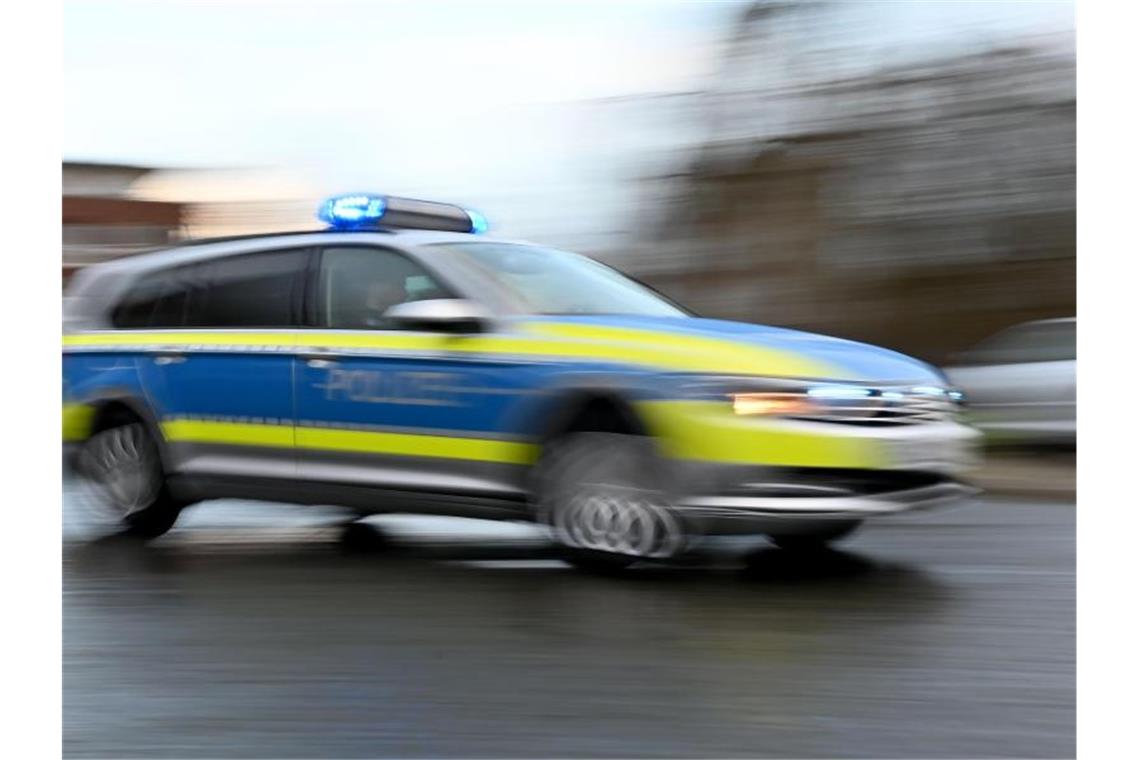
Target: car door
column 386, row 408
column 220, row 376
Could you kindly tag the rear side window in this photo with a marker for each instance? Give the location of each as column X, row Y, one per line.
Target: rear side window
column 251, row 290
column 138, row 306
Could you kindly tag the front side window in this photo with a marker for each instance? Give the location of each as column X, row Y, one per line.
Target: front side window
column 358, row 284
column 547, row 281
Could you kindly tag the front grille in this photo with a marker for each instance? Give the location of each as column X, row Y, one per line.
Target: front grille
column 886, row 406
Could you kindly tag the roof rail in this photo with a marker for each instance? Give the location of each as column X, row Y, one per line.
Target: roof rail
column 189, row 242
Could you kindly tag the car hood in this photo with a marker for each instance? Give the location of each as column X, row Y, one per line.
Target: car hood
column 720, row 346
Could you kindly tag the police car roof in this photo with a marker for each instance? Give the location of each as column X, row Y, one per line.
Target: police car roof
column 94, row 288
column 203, row 249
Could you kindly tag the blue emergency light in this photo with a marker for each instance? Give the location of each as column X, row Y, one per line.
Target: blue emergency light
column 838, row 392
column 354, row 210
column 363, row 211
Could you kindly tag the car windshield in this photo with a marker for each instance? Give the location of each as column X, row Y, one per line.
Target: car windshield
column 549, row 281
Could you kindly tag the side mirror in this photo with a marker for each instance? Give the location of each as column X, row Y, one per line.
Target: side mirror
column 454, row 315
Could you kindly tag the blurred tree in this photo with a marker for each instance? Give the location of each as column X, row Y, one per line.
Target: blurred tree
column 921, row 205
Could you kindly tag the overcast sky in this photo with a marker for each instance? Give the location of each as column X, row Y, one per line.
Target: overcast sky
column 415, row 97
column 186, row 83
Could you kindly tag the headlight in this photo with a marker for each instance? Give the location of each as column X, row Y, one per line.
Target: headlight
column 770, row 403
column 844, row 402
column 798, row 398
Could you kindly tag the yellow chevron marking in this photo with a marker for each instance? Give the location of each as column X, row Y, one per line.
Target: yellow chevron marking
column 709, row 431
column 645, row 348
column 333, row 439
column 692, row 352
column 77, row 419
column 415, row 444
column 131, row 338
column 237, row 433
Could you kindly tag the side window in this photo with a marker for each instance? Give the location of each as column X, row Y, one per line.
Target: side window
column 1033, row 342
column 157, row 300
column 248, row 290
column 357, row 285
column 170, row 311
column 1052, row 342
column 135, row 309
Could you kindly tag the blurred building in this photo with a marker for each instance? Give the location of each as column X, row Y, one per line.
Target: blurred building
column 235, row 200
column 101, row 221
column 922, row 204
column 114, row 210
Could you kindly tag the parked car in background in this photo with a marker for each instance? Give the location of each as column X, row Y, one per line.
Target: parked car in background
column 1021, row 383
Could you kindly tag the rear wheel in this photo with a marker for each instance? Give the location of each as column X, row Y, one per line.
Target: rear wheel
column 815, row 538
column 601, row 496
column 122, row 472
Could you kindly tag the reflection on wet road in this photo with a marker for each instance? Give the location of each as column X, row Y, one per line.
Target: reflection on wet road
column 273, row 632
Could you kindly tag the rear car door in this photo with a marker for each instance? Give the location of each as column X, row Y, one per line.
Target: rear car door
column 394, row 409
column 220, row 374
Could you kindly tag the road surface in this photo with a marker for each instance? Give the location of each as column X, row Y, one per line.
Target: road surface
column 263, row 631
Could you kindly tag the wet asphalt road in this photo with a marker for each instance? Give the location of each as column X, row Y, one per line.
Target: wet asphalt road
column 254, row 631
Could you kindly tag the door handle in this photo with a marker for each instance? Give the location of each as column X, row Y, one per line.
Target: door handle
column 319, row 358
column 165, row 359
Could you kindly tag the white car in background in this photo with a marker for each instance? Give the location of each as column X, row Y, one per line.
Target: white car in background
column 1021, row 383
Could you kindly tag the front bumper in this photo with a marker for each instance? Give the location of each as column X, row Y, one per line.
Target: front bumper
column 739, row 474
column 728, row 498
column 737, row 515
column 726, row 513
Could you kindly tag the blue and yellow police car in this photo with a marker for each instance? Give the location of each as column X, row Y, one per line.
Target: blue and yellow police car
column 401, row 360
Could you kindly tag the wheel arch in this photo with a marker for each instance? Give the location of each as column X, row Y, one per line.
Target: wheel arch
column 114, row 408
column 591, row 409
column 599, row 408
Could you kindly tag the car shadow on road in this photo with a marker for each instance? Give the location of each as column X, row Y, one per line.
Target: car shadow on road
column 361, row 548
column 766, row 563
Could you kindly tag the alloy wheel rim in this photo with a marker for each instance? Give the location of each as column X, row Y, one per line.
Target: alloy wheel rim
column 120, row 471
column 616, row 520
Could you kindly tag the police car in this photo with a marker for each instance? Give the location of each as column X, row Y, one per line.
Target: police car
column 403, row 361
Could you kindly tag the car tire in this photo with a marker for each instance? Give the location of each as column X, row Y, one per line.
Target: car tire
column 601, row 497
column 816, row 538
column 121, row 468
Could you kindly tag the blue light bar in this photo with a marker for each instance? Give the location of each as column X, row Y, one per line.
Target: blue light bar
column 355, row 211
column 478, row 222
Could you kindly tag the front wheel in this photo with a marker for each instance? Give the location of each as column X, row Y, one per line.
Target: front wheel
column 601, row 496
column 122, row 472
